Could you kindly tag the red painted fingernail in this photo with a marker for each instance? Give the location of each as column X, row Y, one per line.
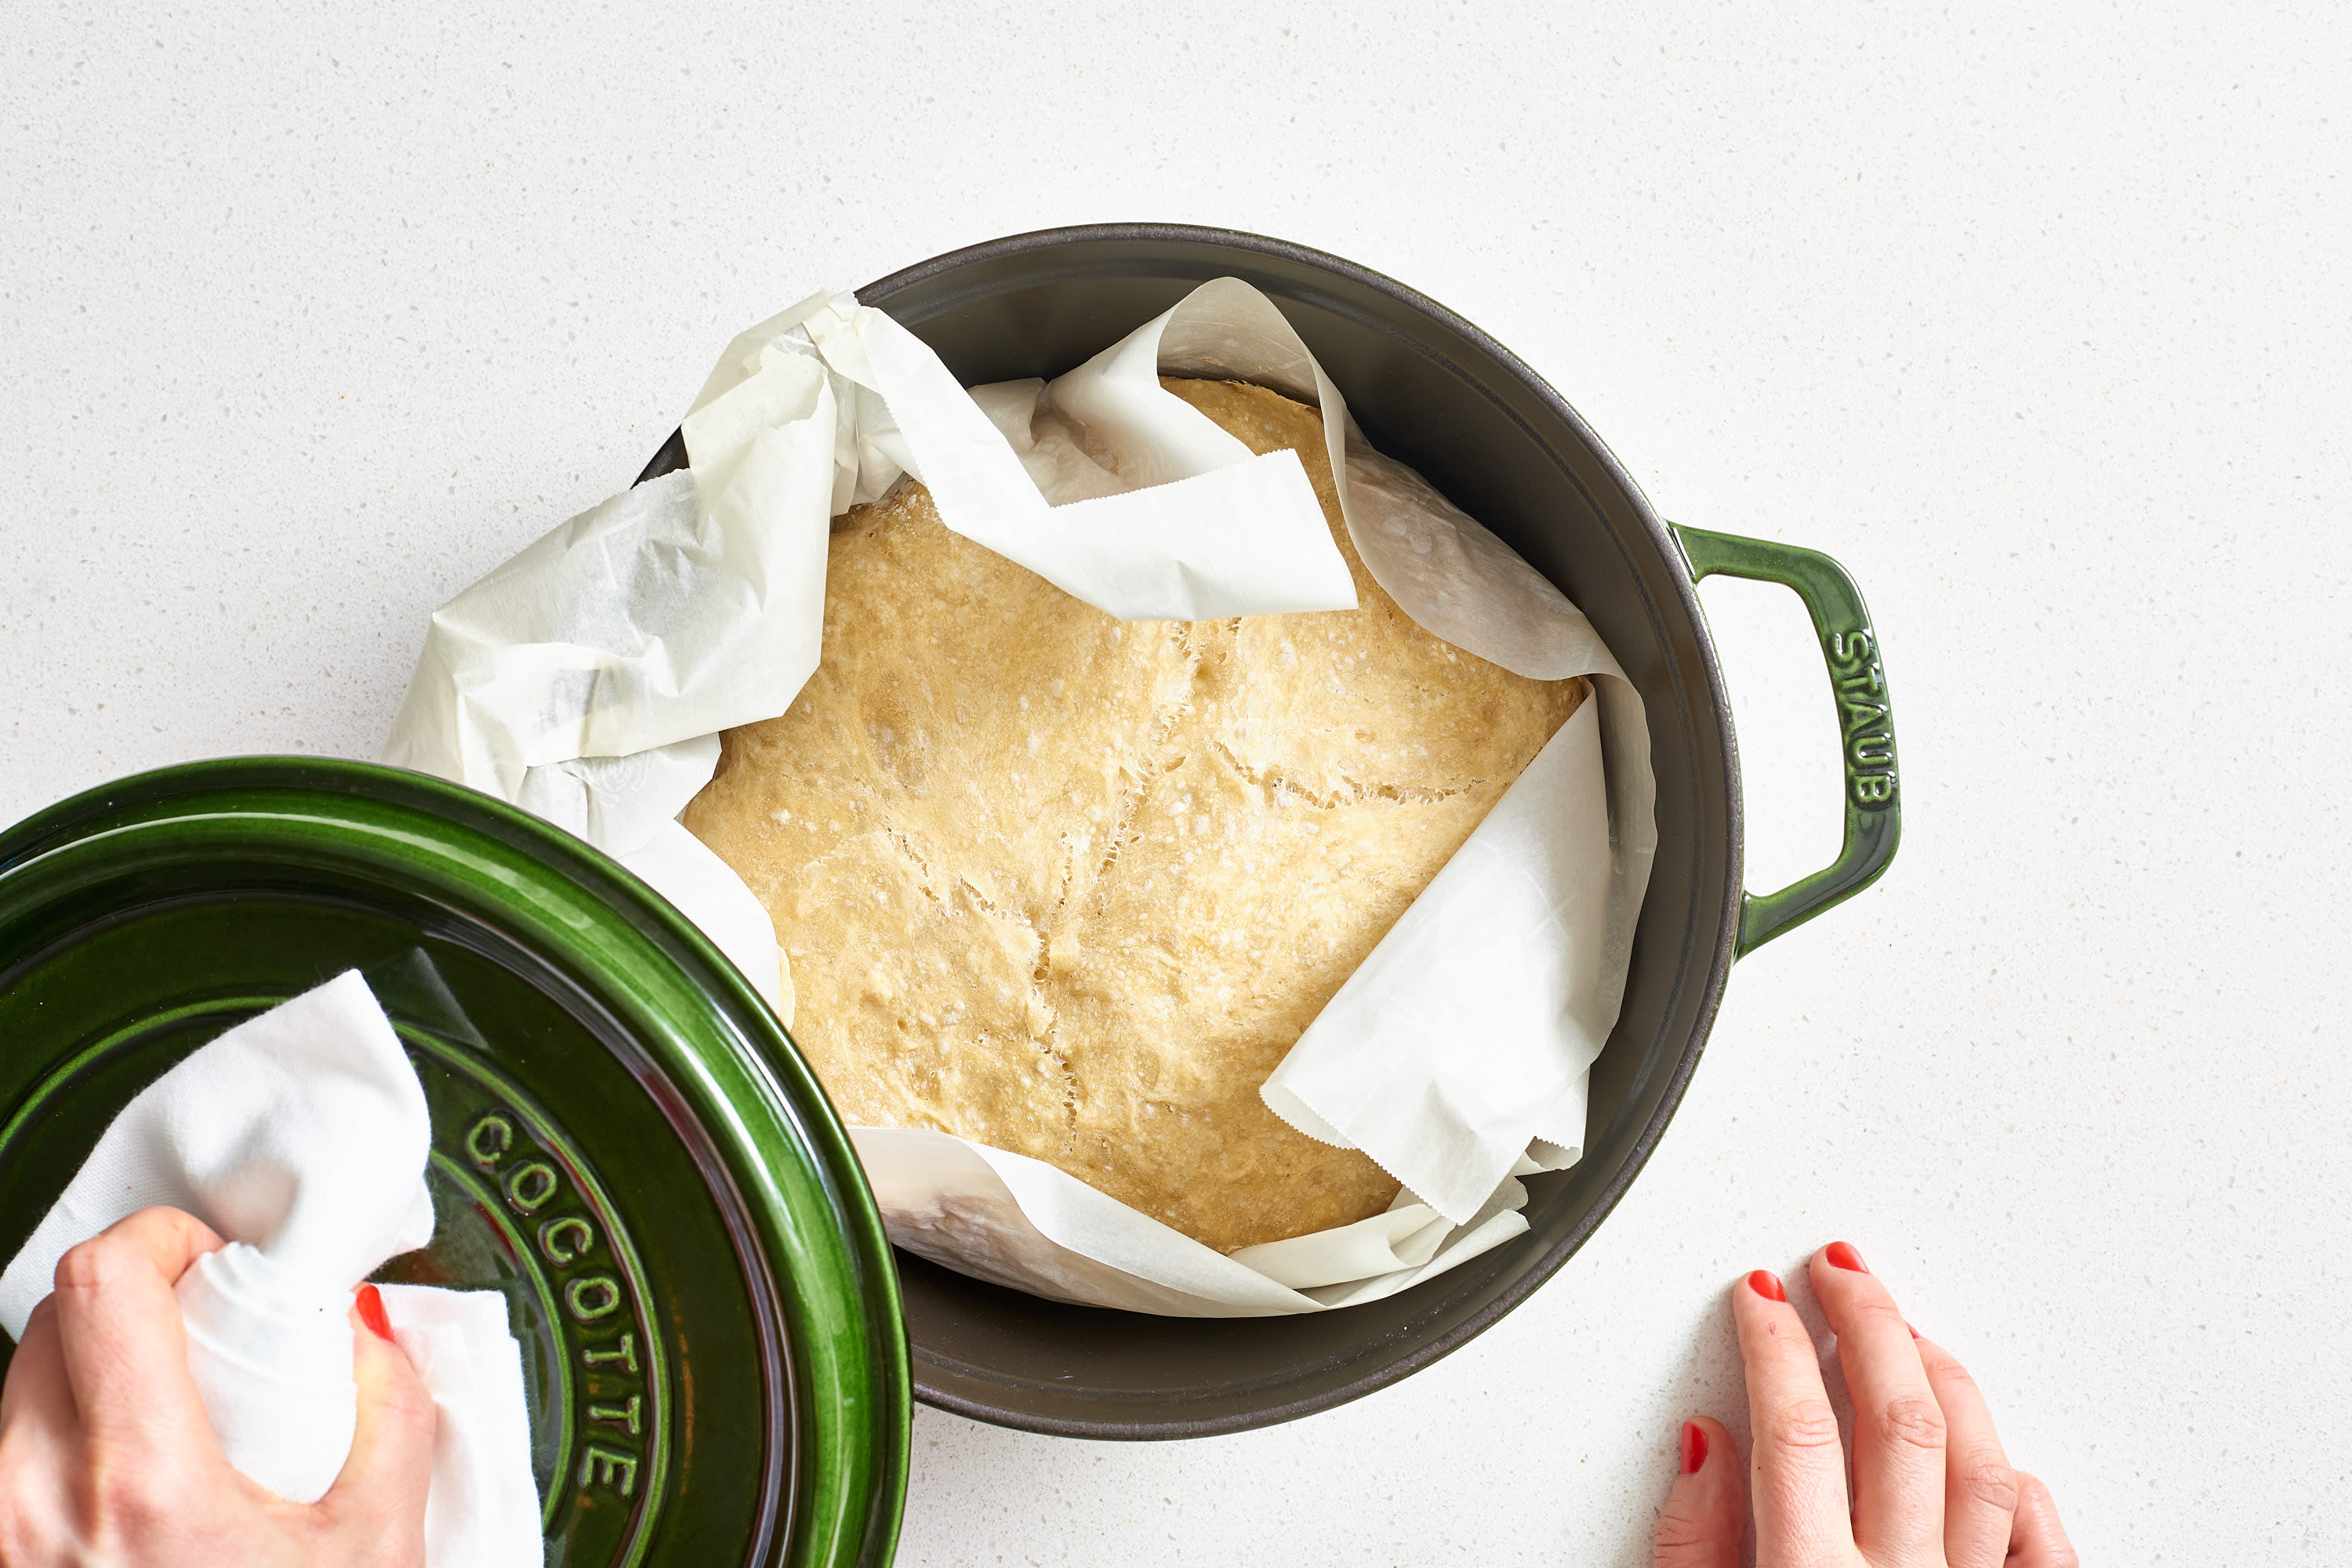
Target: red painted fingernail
column 1693, row 1447
column 1767, row 1286
column 1842, row 1255
column 1915, row 1333
column 370, row 1305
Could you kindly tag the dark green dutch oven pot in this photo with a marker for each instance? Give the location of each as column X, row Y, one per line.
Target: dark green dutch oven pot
column 623, row 1141
column 1432, row 390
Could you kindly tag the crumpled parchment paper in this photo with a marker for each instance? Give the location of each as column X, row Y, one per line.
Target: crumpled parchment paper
column 587, row 678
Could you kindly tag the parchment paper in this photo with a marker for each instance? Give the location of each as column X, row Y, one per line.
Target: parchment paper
column 586, row 677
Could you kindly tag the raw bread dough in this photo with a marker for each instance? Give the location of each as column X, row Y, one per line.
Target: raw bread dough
column 1072, row 886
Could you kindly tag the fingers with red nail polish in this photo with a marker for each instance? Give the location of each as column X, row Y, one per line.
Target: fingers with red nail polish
column 1980, row 1491
column 1900, row 1431
column 104, row 1437
column 1799, row 1469
column 391, row 1460
column 369, row 1302
column 1930, row 1483
column 1706, row 1512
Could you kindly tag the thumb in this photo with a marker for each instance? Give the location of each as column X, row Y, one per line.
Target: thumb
column 1706, row 1513
column 377, row 1504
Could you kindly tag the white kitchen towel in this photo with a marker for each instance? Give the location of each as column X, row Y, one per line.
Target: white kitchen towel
column 483, row 1510
column 300, row 1136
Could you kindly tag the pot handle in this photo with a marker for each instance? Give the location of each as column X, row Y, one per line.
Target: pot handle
column 1873, row 813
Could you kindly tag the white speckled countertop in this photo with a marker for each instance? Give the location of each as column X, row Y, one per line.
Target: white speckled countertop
column 2037, row 322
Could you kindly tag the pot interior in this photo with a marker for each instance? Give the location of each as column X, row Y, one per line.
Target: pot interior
column 1434, row 391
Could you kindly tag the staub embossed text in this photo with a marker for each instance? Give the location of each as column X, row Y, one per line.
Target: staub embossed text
column 1863, row 718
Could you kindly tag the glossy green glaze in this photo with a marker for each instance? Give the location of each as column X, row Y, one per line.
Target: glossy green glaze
column 625, row 1143
column 1874, row 811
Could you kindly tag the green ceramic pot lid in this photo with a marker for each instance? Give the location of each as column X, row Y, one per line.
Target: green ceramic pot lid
column 624, row 1142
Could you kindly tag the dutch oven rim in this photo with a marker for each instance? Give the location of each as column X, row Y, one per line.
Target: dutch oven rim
column 1739, row 930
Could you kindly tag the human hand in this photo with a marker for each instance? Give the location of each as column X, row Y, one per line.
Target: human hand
column 1932, row 1488
column 107, row 1457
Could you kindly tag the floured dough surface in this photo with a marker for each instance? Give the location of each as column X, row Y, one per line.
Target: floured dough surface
column 1072, row 886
